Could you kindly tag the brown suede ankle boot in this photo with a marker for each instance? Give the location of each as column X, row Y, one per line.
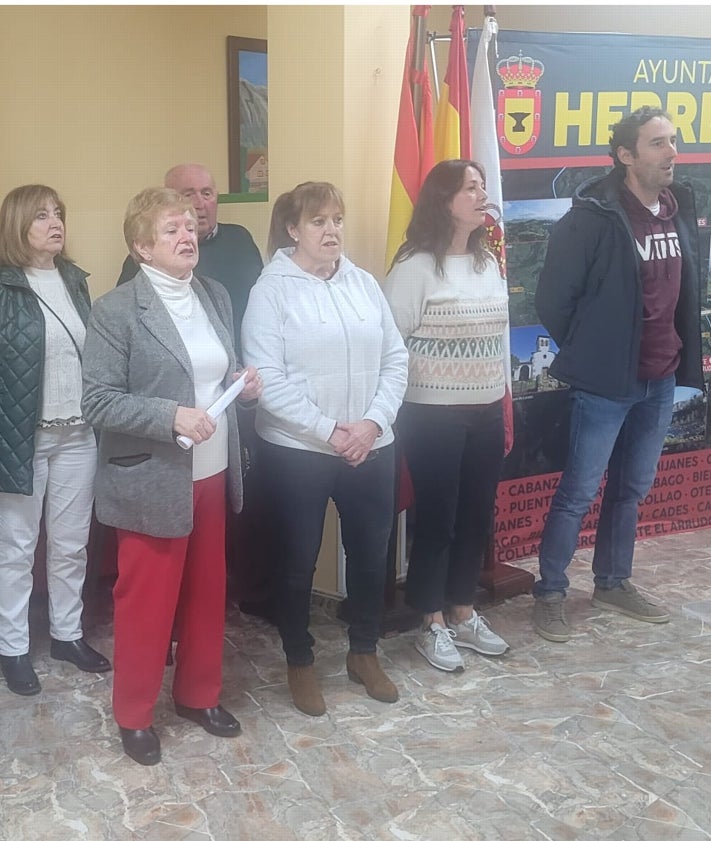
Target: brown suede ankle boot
column 365, row 669
column 305, row 691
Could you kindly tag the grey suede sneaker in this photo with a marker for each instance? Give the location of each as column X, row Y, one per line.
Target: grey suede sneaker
column 436, row 646
column 476, row 634
column 549, row 617
column 628, row 600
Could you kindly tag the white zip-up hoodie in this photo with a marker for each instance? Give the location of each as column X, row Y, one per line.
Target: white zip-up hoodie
column 327, row 350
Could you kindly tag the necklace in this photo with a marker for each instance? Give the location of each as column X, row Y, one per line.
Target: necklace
column 181, row 315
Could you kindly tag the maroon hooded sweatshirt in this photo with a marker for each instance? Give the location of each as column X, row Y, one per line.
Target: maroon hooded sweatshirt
column 660, row 267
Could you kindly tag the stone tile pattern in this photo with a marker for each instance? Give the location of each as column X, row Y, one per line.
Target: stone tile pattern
column 606, row 737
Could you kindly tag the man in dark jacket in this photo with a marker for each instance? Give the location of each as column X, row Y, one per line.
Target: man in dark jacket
column 619, row 293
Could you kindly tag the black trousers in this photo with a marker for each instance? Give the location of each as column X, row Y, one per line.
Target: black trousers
column 455, row 455
column 300, row 484
column 250, row 555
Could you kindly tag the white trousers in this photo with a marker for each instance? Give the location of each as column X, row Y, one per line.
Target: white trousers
column 64, row 467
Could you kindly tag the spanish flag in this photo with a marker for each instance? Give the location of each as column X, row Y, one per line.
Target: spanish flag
column 414, row 155
column 452, row 132
column 485, row 150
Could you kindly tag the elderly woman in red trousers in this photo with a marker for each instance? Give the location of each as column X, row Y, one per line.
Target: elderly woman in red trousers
column 158, row 353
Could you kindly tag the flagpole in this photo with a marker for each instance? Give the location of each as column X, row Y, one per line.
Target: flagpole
column 413, row 158
column 418, row 62
column 490, row 12
column 499, row 579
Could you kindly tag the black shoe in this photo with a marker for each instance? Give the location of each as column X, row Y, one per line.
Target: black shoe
column 264, row 610
column 143, row 746
column 216, row 720
column 81, row 654
column 19, row 674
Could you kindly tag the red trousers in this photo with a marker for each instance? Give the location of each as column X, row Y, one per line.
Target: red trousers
column 164, row 581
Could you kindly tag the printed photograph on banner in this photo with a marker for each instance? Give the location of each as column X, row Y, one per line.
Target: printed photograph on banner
column 542, row 422
column 527, row 226
column 687, row 430
column 706, row 340
column 698, row 177
column 532, row 353
column 554, row 182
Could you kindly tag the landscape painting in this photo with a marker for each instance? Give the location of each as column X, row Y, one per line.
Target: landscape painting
column 248, row 101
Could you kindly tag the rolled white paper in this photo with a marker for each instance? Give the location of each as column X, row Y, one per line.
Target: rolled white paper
column 217, row 408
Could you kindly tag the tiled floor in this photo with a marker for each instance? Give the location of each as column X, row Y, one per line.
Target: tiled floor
column 606, row 737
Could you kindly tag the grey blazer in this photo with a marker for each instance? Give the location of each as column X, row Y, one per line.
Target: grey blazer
column 136, row 372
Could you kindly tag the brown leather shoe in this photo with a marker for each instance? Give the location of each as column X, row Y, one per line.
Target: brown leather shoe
column 365, row 669
column 305, row 691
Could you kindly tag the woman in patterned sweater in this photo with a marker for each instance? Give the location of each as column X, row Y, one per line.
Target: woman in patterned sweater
column 450, row 304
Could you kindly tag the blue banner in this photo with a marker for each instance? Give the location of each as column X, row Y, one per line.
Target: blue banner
column 557, row 95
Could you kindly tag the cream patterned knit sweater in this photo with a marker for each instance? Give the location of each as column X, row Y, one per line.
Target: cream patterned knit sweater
column 456, row 328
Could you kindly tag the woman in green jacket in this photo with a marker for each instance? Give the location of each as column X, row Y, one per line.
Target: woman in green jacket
column 47, row 450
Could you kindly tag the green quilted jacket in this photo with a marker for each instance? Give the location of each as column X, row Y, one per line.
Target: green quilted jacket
column 21, row 364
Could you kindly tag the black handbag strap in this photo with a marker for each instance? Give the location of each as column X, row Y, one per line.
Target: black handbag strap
column 59, row 319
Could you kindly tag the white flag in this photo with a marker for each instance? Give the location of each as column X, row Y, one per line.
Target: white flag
column 485, row 143
column 485, row 150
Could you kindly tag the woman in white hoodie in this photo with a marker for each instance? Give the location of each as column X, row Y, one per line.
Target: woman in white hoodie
column 334, row 367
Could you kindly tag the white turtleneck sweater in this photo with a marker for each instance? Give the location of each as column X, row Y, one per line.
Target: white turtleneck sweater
column 208, row 358
column 61, row 385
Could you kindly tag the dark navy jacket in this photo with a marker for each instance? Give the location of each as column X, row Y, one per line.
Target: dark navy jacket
column 589, row 294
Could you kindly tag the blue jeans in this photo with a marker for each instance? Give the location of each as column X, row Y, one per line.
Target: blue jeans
column 626, row 437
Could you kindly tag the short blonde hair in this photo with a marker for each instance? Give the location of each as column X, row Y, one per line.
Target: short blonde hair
column 141, row 217
column 17, row 213
column 290, row 208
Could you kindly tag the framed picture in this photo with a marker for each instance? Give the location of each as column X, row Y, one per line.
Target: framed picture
column 247, row 110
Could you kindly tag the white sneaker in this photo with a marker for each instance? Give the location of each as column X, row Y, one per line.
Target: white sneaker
column 475, row 633
column 435, row 645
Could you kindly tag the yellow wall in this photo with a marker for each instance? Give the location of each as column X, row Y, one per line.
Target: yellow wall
column 98, row 101
column 376, row 40
column 305, row 95
column 333, row 110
